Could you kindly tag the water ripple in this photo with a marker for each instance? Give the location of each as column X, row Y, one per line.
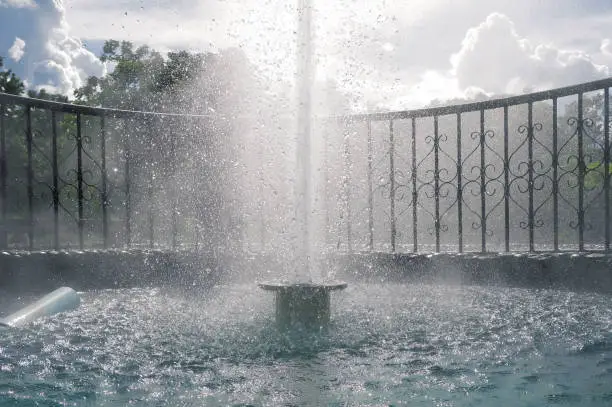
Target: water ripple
column 387, row 344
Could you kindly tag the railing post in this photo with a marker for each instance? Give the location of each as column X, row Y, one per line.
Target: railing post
column 56, row 197
column 128, row 210
column 607, row 166
column 151, row 190
column 483, row 186
column 347, row 188
column 261, row 205
column 459, row 187
column 104, row 191
column 415, row 197
column 506, row 182
column 392, row 185
column 175, row 196
column 3, row 177
column 151, row 216
column 555, row 185
column 79, row 141
column 30, row 178
column 325, row 184
column 437, row 182
column 530, row 136
column 370, row 190
column 581, row 168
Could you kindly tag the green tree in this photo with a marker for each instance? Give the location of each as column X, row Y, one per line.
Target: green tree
column 9, row 82
column 43, row 94
column 128, row 85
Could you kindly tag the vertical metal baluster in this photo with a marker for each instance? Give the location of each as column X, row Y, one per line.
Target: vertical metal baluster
column 370, row 189
column 3, row 177
column 437, row 182
column 607, row 165
column 483, row 187
column 530, row 173
column 175, row 195
column 581, row 168
column 104, row 191
column 56, row 198
column 347, row 189
column 392, row 185
column 555, row 185
column 150, row 190
column 261, row 204
column 459, row 187
column 128, row 209
column 506, row 182
column 325, row 186
column 79, row 141
column 186, row 132
column 415, row 234
column 30, row 177
column 203, row 224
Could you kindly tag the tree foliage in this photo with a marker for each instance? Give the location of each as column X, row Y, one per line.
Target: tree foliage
column 9, row 82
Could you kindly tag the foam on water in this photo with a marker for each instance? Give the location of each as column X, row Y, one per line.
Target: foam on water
column 388, row 344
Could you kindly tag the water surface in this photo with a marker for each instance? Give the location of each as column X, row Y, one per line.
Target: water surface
column 389, row 344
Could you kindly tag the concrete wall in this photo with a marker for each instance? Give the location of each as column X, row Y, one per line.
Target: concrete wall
column 567, row 271
column 43, row 271
column 85, row 270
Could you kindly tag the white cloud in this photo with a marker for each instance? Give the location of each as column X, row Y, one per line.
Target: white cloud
column 17, row 50
column 494, row 57
column 55, row 59
column 387, row 53
column 606, row 47
column 378, row 50
column 18, row 3
column 433, row 85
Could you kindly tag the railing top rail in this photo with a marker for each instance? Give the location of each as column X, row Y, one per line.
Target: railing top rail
column 71, row 108
column 395, row 115
column 482, row 105
column 86, row 110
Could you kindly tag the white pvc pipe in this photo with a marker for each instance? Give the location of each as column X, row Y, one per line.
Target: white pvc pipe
column 60, row 300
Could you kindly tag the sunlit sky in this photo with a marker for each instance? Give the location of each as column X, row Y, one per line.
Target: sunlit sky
column 397, row 54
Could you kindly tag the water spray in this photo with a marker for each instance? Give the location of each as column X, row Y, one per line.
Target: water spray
column 303, row 302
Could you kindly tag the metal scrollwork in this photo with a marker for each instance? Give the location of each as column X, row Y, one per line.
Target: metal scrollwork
column 482, row 180
column 437, row 184
column 581, row 171
column 530, row 176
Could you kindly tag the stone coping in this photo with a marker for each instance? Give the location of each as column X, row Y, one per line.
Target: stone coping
column 482, row 255
column 355, row 255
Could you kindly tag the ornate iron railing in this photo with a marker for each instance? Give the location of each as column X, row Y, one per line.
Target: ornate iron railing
column 524, row 173
column 74, row 176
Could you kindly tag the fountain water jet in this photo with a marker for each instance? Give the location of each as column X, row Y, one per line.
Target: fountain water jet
column 303, row 303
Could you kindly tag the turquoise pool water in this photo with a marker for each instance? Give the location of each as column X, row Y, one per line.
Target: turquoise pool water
column 389, row 344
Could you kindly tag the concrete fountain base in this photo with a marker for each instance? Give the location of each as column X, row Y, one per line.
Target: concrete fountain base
column 305, row 305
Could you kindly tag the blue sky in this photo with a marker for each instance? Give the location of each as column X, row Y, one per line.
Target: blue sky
column 399, row 54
